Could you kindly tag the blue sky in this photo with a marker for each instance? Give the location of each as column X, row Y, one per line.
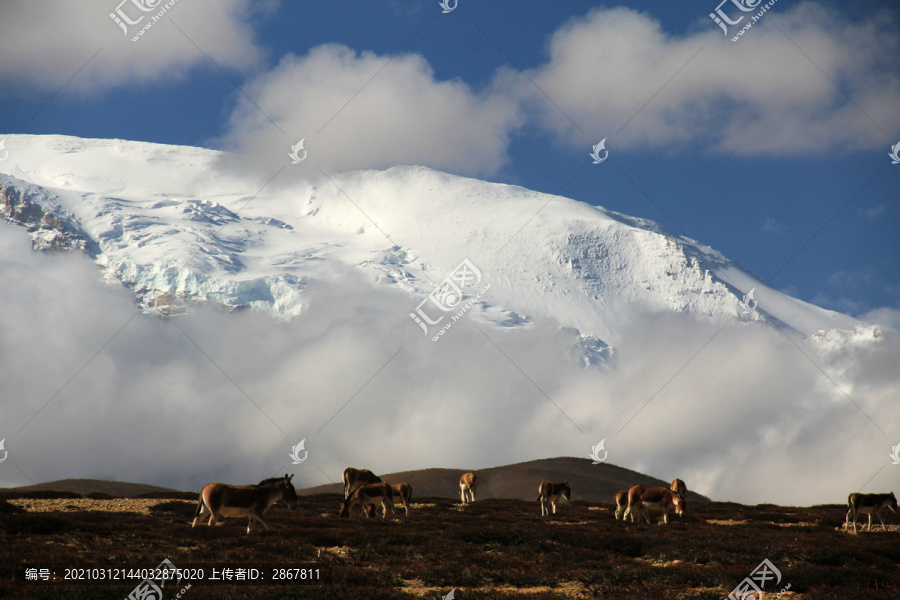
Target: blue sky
column 773, row 149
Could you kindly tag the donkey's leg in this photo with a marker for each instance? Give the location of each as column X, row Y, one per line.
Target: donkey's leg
column 202, row 511
column 259, row 518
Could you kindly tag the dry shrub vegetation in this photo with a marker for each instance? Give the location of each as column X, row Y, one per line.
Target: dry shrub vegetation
column 496, row 549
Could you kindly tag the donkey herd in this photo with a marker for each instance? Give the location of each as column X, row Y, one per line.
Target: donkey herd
column 365, row 490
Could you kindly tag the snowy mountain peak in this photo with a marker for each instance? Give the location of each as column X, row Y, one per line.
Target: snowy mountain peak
column 164, row 221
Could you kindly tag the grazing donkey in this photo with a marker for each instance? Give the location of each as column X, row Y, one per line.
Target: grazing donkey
column 869, row 504
column 641, row 499
column 467, row 485
column 622, row 505
column 354, row 478
column 403, row 491
column 550, row 493
column 374, row 494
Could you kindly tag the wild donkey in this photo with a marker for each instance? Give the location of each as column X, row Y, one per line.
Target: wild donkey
column 252, row 501
column 869, row 504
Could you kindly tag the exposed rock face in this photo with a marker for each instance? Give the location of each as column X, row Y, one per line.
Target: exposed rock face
column 48, row 231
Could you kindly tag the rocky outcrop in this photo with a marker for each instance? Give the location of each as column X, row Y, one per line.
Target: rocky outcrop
column 48, row 231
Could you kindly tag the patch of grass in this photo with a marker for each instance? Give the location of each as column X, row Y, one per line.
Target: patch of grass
column 169, row 496
column 8, row 508
column 41, row 495
column 34, row 524
column 100, row 496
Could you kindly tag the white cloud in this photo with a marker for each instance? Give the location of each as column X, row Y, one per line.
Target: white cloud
column 362, row 110
column 853, row 279
column 761, row 96
column 773, row 226
column 44, row 44
column 865, row 278
column 758, row 96
column 843, row 304
column 874, row 212
column 883, row 316
column 749, row 418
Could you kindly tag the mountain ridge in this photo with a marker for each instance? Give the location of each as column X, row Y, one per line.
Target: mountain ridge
column 591, row 483
column 520, row 481
column 176, row 234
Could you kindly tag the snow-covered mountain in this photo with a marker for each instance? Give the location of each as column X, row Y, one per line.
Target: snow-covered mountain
column 167, row 222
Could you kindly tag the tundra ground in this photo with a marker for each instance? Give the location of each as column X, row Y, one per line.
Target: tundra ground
column 492, row 549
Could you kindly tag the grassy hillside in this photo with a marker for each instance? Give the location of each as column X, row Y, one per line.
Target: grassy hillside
column 591, row 483
column 119, row 489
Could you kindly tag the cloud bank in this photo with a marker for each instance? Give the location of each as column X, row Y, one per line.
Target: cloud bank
column 612, row 73
column 750, row 418
column 45, row 44
column 362, row 110
column 804, row 81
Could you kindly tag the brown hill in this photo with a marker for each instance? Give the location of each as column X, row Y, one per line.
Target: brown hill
column 589, row 482
column 119, row 489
